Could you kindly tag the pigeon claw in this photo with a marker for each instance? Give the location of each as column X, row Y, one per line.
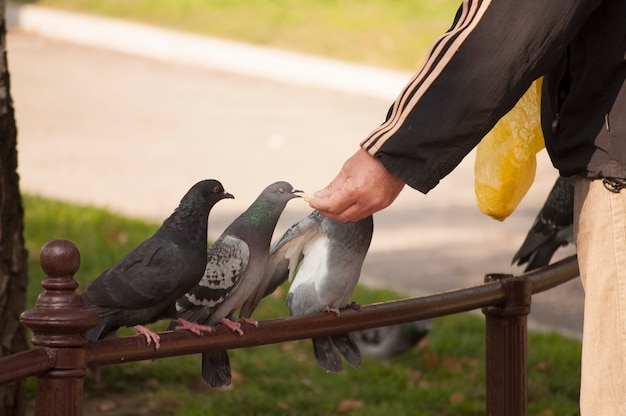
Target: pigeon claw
column 193, row 327
column 150, row 336
column 330, row 309
column 249, row 321
column 233, row 326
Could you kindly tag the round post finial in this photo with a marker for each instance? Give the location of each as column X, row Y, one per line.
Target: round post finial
column 59, row 258
column 59, row 319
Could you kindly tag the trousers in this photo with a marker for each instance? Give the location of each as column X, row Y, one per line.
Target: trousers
column 600, row 232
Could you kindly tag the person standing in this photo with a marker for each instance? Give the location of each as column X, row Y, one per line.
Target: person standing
column 472, row 76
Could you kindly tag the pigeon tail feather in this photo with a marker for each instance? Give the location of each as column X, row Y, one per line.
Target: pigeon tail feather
column 348, row 349
column 216, row 368
column 100, row 330
column 326, row 355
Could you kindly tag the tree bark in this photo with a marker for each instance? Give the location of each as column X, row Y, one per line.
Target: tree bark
column 13, row 255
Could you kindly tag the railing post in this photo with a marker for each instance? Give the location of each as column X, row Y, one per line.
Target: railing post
column 507, row 348
column 58, row 322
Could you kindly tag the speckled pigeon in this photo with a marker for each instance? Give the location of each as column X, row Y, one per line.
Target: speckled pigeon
column 327, row 255
column 388, row 341
column 145, row 284
column 234, row 275
column 553, row 227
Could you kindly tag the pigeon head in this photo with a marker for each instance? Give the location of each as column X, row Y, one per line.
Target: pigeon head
column 202, row 196
column 193, row 210
column 280, row 192
column 264, row 212
column 274, row 198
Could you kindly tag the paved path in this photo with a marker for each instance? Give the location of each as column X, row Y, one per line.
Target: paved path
column 131, row 133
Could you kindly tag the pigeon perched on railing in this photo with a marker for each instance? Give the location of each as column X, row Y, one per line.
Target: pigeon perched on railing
column 553, row 227
column 234, row 275
column 388, row 341
column 326, row 257
column 144, row 285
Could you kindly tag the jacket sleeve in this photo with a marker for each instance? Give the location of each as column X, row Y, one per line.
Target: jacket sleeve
column 471, row 77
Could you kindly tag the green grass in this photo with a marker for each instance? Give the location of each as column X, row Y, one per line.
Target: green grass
column 394, row 34
column 444, row 375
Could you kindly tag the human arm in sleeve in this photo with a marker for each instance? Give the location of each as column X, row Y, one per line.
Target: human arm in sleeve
column 471, row 77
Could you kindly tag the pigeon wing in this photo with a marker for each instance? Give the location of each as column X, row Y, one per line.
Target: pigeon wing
column 146, row 275
column 552, row 227
column 287, row 253
column 227, row 260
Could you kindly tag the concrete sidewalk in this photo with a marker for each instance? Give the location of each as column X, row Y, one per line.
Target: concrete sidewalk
column 132, row 133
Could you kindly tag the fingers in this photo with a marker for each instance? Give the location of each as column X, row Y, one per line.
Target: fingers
column 345, row 206
column 343, row 212
column 362, row 187
column 334, row 201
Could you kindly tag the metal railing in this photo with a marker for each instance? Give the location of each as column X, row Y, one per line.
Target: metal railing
column 61, row 354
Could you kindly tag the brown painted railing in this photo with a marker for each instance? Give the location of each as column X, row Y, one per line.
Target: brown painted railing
column 61, row 354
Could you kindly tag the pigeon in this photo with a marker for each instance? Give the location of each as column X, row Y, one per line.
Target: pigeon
column 235, row 275
column 144, row 285
column 553, row 227
column 388, row 341
column 327, row 255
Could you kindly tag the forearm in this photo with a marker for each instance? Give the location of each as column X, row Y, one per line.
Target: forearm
column 472, row 76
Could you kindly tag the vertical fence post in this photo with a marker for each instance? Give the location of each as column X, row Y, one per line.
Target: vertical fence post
column 58, row 322
column 507, row 348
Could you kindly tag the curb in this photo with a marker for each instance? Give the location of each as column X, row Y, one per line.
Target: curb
column 206, row 52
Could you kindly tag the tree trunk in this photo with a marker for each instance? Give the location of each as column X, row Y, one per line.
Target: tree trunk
column 13, row 256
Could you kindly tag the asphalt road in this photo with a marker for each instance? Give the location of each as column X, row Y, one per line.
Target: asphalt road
column 132, row 133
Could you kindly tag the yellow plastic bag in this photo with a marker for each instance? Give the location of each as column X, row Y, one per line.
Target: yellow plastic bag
column 505, row 162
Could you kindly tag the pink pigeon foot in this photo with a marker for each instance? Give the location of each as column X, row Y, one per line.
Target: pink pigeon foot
column 234, row 326
column 330, row 309
column 192, row 326
column 150, row 336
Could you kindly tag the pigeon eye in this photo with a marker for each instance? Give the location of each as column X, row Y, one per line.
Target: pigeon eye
column 281, row 190
column 216, row 189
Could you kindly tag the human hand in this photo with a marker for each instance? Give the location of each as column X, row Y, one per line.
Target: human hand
column 362, row 187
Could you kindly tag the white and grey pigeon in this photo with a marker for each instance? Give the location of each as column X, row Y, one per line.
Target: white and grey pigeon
column 234, row 275
column 144, row 285
column 553, row 227
column 388, row 341
column 326, row 257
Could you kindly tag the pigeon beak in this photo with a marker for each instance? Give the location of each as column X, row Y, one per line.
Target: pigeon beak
column 296, row 191
column 227, row 195
column 305, row 196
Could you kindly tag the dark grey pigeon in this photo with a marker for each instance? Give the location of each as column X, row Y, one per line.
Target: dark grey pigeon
column 327, row 255
column 553, row 227
column 234, row 275
column 144, row 285
column 388, row 341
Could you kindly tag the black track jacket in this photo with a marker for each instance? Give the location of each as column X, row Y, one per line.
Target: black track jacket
column 479, row 69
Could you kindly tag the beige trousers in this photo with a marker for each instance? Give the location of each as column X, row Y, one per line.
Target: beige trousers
column 600, row 229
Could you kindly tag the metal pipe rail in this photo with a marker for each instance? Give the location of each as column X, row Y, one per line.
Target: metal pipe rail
column 61, row 354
